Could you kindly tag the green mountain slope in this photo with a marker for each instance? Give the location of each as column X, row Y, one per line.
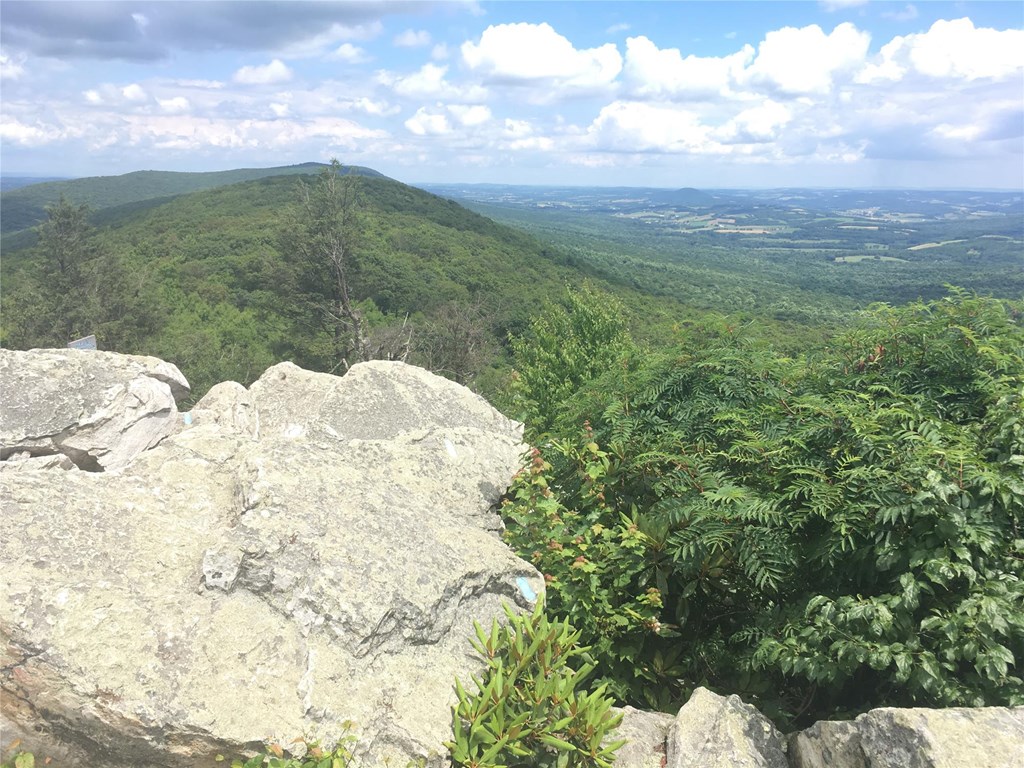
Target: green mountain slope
column 24, row 207
column 204, row 280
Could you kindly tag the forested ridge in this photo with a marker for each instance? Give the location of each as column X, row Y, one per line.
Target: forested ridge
column 210, row 281
column 26, row 206
column 746, row 476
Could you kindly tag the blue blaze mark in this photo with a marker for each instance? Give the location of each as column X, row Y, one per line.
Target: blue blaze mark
column 526, row 589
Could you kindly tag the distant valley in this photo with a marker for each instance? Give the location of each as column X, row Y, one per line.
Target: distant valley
column 905, row 244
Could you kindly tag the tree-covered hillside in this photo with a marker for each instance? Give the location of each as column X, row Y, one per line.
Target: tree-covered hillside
column 26, row 206
column 213, row 280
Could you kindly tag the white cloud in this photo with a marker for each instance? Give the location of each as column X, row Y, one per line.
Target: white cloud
column 524, row 53
column 13, row 130
column 9, row 68
column 805, row 96
column 175, row 105
column 274, row 72
column 594, row 160
column 429, row 81
column 436, row 122
column 534, row 143
column 517, row 128
column 347, row 52
column 114, row 95
column 653, row 72
column 470, row 115
column 806, row 60
column 885, row 66
column 425, row 123
column 616, row 28
column 757, row 124
column 950, row 49
column 371, row 107
column 133, row 92
column 193, row 133
column 316, row 45
column 640, row 127
column 412, row 38
column 206, row 84
column 958, row 132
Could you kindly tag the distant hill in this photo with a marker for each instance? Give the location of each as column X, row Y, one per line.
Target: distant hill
column 24, row 207
column 8, row 183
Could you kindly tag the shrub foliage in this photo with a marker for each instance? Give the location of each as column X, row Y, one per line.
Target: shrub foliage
column 528, row 709
column 821, row 535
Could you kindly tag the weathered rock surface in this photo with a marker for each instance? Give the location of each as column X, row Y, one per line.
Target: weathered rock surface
column 99, row 409
column 713, row 731
column 645, row 734
column 310, row 551
column 992, row 737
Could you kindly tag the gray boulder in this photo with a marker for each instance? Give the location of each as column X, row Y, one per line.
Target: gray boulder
column 309, row 552
column 991, row 737
column 645, row 734
column 712, row 731
column 99, row 409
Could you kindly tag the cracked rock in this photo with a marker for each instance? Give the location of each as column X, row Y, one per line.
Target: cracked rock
column 98, row 410
column 311, row 551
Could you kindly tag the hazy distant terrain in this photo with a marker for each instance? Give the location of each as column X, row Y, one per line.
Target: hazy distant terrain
column 868, row 245
column 14, row 182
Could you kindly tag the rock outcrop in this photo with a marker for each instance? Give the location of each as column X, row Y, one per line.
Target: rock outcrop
column 99, row 410
column 304, row 553
column 310, row 551
column 992, row 737
column 713, row 731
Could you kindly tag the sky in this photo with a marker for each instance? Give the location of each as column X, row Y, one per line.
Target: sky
column 839, row 93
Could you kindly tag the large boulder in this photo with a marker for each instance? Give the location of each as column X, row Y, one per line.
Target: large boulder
column 991, row 737
column 97, row 409
column 311, row 551
column 712, row 731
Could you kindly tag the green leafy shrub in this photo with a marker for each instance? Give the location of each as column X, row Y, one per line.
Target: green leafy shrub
column 527, row 710
column 821, row 535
